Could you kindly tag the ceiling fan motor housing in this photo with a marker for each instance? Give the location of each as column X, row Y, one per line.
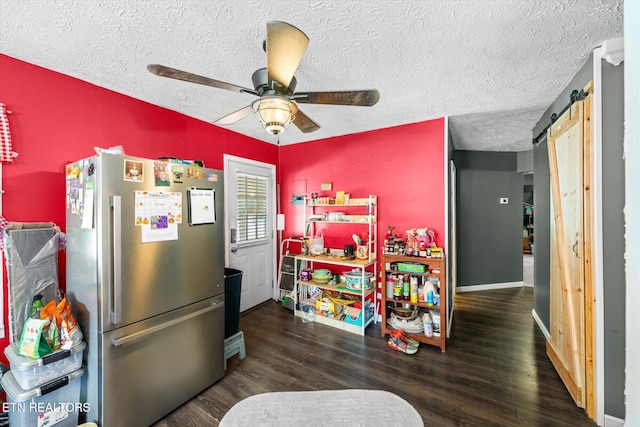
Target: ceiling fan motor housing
column 262, row 84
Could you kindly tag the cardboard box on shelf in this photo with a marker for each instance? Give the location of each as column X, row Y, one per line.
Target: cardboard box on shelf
column 329, row 308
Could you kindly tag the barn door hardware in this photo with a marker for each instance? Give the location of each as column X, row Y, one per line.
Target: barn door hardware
column 575, row 96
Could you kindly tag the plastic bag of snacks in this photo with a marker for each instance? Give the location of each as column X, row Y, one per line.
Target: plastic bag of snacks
column 33, row 342
column 50, row 327
column 69, row 329
column 48, row 313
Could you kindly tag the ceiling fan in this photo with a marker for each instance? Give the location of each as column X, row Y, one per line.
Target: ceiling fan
column 275, row 85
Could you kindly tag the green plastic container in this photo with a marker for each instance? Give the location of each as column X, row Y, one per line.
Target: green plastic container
column 411, row 267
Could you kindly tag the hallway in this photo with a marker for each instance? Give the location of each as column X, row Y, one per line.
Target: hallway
column 527, row 269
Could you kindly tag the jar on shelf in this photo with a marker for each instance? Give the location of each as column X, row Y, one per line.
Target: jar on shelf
column 397, row 288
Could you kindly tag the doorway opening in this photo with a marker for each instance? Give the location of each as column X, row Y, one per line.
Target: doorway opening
column 528, row 245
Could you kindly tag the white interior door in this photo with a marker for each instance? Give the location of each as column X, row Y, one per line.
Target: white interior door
column 250, row 227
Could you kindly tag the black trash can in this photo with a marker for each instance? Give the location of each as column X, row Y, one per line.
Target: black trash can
column 232, row 288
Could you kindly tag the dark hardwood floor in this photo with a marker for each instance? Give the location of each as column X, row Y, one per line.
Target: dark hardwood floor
column 495, row 371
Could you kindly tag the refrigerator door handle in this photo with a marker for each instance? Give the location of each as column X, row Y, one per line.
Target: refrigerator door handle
column 128, row 339
column 116, row 303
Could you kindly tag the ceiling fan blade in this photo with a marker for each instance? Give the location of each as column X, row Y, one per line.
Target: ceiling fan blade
column 304, row 123
column 172, row 73
column 285, row 46
column 365, row 98
column 235, row 116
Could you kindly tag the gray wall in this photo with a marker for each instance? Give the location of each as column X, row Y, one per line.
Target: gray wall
column 489, row 234
column 525, row 161
column 542, row 230
column 527, row 191
column 632, row 207
column 613, row 236
column 613, row 225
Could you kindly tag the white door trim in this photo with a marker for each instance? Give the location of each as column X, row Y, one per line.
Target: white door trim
column 450, row 235
column 598, row 240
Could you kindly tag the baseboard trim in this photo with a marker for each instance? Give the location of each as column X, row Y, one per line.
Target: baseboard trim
column 543, row 328
column 610, row 421
column 489, row 286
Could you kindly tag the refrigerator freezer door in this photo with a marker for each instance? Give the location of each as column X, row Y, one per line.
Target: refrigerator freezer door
column 140, row 280
column 152, row 313
column 154, row 366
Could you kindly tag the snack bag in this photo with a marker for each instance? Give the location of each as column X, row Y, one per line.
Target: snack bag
column 36, row 306
column 69, row 329
column 33, row 342
column 48, row 312
column 59, row 309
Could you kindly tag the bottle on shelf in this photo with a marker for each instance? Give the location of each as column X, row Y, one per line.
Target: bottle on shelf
column 429, row 292
column 435, row 314
column 430, row 298
column 406, row 288
column 413, row 289
column 390, row 285
column 428, row 325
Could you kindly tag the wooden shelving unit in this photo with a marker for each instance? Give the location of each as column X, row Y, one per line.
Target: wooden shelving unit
column 385, row 267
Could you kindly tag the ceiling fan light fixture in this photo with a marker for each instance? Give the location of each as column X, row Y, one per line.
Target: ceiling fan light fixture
column 275, row 85
column 275, row 113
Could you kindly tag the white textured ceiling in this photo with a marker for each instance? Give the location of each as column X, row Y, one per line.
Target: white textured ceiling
column 493, row 66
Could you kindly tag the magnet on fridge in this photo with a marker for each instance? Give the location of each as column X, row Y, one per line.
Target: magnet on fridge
column 178, row 173
column 133, row 170
column 161, row 173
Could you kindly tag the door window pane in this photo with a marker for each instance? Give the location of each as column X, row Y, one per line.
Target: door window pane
column 251, row 207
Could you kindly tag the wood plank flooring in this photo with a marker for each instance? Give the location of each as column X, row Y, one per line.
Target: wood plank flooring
column 495, row 371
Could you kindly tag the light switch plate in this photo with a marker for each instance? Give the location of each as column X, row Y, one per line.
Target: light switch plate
column 504, row 200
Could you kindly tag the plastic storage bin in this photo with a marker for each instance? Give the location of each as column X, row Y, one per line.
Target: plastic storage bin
column 308, row 308
column 411, row 267
column 354, row 315
column 31, row 373
column 56, row 403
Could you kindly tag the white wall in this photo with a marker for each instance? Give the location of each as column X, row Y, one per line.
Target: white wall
column 632, row 207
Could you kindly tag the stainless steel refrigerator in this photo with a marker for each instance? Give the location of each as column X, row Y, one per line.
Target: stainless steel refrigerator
column 145, row 275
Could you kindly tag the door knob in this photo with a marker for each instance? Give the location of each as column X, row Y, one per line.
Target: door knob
column 234, row 249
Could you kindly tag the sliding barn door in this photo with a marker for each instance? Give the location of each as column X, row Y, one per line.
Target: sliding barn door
column 570, row 346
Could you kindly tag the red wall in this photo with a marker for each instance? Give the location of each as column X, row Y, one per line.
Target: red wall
column 403, row 166
column 57, row 119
